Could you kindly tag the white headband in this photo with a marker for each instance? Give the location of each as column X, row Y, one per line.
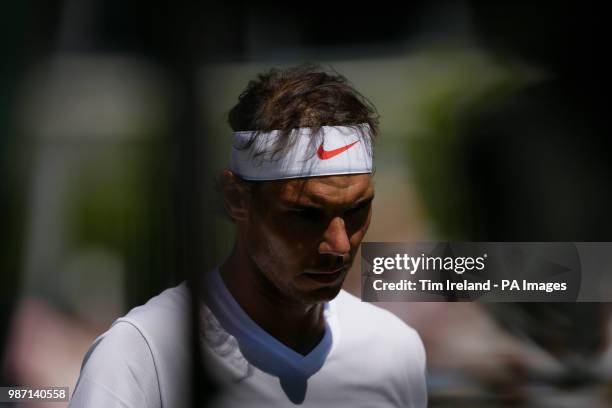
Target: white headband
column 340, row 150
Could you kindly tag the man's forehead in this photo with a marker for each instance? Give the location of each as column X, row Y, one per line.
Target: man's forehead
column 322, row 190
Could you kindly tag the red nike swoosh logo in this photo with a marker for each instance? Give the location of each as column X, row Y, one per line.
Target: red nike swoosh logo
column 328, row 154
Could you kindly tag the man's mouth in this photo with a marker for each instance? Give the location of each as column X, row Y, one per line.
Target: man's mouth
column 327, row 275
column 326, row 271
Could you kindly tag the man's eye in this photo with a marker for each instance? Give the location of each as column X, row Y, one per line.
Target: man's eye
column 308, row 214
column 359, row 208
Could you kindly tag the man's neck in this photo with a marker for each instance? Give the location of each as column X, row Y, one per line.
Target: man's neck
column 298, row 326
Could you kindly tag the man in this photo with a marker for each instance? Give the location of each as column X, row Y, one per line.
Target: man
column 277, row 329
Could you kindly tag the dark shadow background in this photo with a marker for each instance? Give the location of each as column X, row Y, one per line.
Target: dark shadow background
column 532, row 163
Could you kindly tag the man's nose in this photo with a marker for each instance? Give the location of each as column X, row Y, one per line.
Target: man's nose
column 335, row 239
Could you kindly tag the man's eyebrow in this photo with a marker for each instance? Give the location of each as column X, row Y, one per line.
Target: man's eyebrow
column 363, row 201
column 303, row 206
column 298, row 206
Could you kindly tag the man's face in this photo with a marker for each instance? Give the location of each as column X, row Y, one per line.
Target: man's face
column 303, row 234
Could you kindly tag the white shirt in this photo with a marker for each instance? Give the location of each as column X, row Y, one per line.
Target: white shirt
column 367, row 358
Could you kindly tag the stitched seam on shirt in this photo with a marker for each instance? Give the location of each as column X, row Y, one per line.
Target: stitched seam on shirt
column 150, row 352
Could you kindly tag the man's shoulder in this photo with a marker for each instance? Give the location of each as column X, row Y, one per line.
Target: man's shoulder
column 391, row 350
column 132, row 329
column 352, row 308
column 161, row 311
column 164, row 323
column 372, row 323
column 143, row 356
column 171, row 303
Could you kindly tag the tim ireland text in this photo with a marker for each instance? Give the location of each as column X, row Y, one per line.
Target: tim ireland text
column 427, row 285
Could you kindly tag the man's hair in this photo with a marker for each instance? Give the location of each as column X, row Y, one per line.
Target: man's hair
column 291, row 98
column 302, row 96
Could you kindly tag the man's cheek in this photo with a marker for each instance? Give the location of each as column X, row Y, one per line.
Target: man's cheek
column 280, row 248
column 292, row 239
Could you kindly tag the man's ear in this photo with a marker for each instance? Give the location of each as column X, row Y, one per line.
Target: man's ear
column 236, row 196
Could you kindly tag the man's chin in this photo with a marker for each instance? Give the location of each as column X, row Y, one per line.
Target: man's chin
column 318, row 292
column 325, row 294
